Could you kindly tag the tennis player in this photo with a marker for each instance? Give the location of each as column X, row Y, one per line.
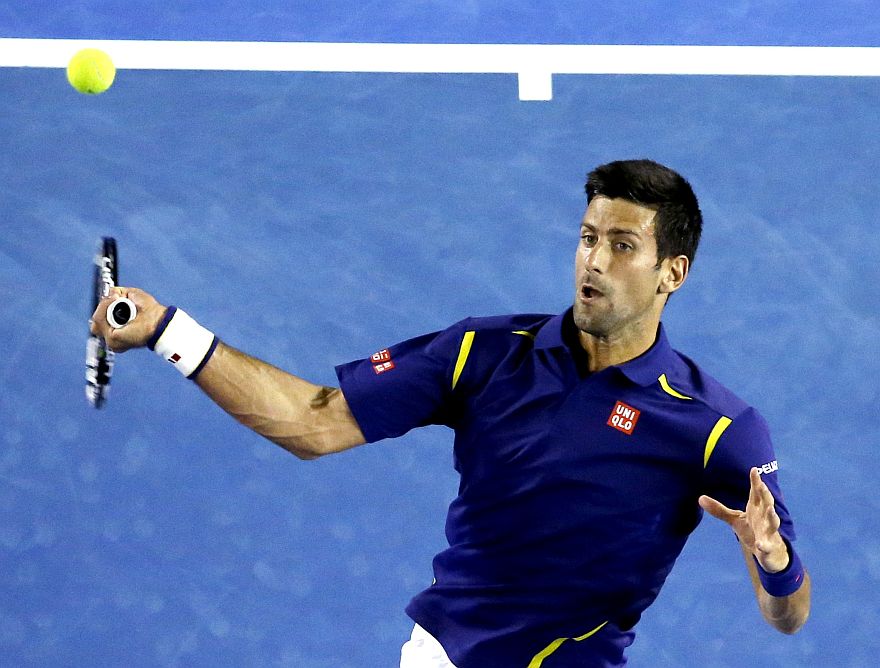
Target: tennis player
column 588, row 448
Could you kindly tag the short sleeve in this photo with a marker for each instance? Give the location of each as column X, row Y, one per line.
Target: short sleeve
column 745, row 444
column 402, row 387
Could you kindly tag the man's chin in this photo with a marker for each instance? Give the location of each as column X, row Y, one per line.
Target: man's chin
column 589, row 324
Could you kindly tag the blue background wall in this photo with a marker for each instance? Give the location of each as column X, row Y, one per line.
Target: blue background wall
column 314, row 218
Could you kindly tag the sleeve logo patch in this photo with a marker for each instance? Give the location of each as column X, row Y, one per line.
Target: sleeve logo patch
column 382, row 361
column 624, row 418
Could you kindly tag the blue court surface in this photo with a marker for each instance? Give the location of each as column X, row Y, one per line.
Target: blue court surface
column 312, row 218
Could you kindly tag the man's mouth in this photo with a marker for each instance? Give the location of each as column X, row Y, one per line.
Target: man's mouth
column 589, row 293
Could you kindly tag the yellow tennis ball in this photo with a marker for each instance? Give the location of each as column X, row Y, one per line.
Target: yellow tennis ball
column 91, row 71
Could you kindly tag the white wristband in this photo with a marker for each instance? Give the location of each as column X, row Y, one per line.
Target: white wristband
column 182, row 341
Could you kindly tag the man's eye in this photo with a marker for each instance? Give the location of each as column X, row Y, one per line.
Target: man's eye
column 623, row 246
column 589, row 239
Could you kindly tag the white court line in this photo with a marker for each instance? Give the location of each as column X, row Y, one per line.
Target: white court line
column 534, row 64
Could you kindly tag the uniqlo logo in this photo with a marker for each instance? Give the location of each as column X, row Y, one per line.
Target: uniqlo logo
column 385, row 366
column 174, row 359
column 382, row 361
column 624, row 418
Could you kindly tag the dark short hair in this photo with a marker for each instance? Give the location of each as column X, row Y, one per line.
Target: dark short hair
column 678, row 223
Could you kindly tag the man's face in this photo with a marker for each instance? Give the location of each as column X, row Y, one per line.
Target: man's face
column 617, row 280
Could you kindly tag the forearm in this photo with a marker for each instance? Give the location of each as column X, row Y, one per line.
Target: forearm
column 784, row 613
column 306, row 419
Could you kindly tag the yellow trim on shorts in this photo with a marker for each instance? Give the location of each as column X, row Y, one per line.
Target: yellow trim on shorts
column 722, row 424
column 538, row 659
column 466, row 342
column 668, row 388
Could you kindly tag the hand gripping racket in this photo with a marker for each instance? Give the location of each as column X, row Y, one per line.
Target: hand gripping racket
column 99, row 357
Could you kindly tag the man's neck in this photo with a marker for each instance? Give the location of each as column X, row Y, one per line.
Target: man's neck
column 618, row 347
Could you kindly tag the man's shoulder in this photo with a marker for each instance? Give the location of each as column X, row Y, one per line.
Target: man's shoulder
column 525, row 324
column 695, row 382
column 516, row 322
column 487, row 344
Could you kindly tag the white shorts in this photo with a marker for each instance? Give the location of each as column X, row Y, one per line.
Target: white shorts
column 423, row 651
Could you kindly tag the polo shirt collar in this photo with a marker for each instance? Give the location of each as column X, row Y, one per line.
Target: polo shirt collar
column 643, row 370
column 649, row 366
column 550, row 335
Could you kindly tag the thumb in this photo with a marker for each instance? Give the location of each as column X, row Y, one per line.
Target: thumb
column 718, row 510
column 137, row 332
column 141, row 299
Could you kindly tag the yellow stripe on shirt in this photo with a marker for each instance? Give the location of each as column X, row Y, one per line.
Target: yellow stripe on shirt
column 466, row 342
column 538, row 659
column 668, row 388
column 722, row 424
column 523, row 332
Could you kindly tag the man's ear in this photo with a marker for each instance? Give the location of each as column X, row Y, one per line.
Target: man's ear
column 674, row 272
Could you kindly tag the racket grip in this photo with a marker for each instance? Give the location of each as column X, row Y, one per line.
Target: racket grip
column 121, row 312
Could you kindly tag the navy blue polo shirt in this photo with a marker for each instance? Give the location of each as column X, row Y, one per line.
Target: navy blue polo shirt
column 577, row 490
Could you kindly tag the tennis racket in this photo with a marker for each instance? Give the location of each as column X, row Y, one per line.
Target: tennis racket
column 99, row 358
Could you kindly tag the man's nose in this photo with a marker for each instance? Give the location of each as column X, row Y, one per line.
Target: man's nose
column 597, row 258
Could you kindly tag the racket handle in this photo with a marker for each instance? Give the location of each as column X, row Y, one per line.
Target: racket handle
column 121, row 312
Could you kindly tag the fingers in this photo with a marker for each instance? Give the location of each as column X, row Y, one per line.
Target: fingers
column 761, row 499
column 755, row 485
column 140, row 298
column 98, row 322
column 99, row 326
column 759, row 494
column 756, row 527
column 757, row 481
column 755, row 477
column 137, row 332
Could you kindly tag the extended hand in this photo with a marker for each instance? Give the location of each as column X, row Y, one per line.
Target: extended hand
column 137, row 332
column 757, row 527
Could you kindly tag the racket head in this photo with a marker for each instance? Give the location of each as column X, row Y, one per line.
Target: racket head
column 99, row 358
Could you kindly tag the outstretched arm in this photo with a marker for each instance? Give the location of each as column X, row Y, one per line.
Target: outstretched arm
column 757, row 528
column 306, row 419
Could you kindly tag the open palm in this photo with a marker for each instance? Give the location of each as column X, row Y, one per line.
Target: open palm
column 757, row 527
